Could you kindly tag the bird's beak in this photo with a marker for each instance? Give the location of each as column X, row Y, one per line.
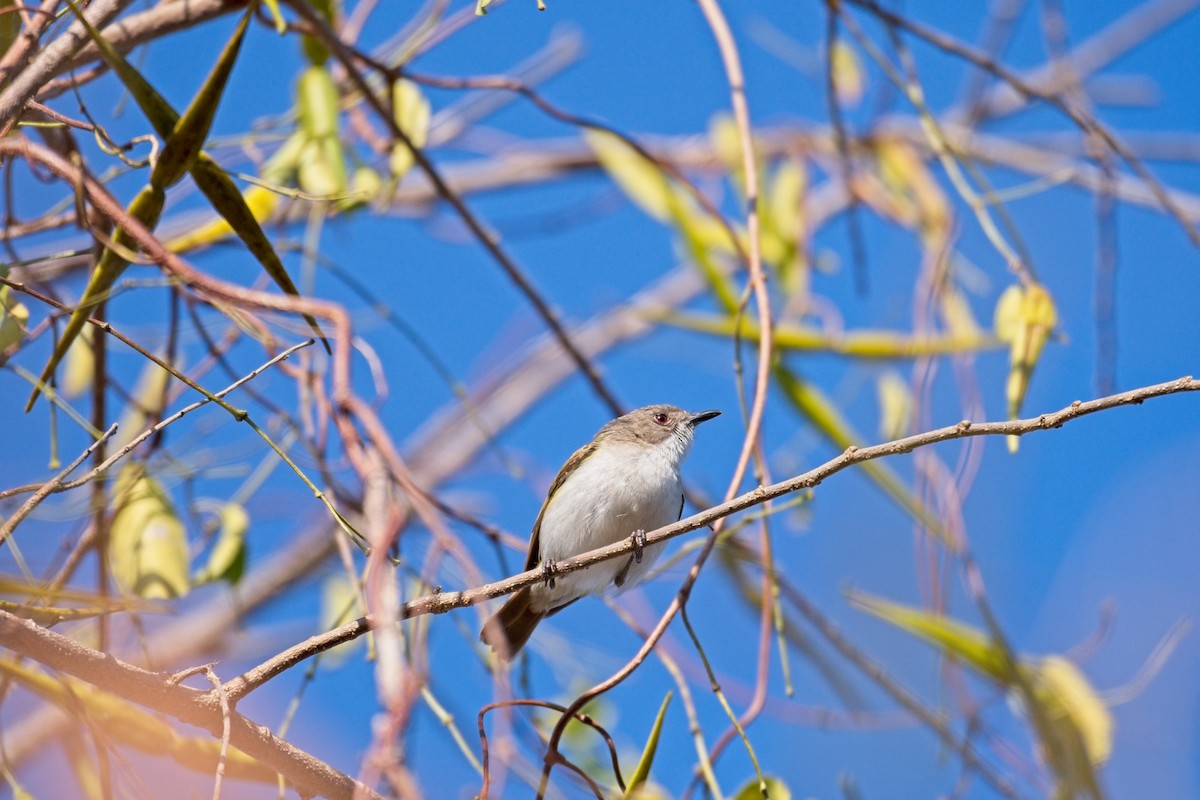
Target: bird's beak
column 701, row 416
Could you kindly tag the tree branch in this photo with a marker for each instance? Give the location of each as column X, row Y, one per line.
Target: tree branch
column 308, row 774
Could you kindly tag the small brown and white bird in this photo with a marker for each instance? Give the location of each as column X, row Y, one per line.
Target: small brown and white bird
column 620, row 485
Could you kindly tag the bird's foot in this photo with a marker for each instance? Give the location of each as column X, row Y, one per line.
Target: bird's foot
column 549, row 570
column 638, row 538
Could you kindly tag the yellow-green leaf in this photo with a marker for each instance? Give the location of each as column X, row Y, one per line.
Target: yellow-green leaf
column 726, row 142
column 313, row 47
column 957, row 314
column 146, row 401
column 14, row 319
column 191, row 130
column 1068, row 697
column 968, row 644
column 642, row 772
column 230, row 204
column 146, row 207
column 1025, row 318
column 276, row 16
column 322, row 164
column 156, row 109
column 317, row 103
column 770, row 789
column 147, row 548
column 339, row 604
column 80, row 368
column 260, row 201
column 227, row 561
column 10, row 25
column 641, row 180
column 365, row 186
column 895, row 405
column 412, row 114
column 849, row 81
column 783, row 220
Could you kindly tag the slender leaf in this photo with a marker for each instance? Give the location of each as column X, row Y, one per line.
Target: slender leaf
column 642, row 773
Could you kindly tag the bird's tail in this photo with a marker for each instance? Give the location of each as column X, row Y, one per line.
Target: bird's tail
column 507, row 631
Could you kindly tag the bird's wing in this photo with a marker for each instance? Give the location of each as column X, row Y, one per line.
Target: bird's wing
column 679, row 516
column 533, row 557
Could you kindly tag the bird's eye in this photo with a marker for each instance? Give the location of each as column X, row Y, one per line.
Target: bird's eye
column 661, row 418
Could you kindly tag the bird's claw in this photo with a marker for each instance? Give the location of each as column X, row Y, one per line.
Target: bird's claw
column 549, row 570
column 638, row 538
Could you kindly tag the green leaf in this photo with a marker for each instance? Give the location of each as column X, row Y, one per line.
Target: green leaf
column 276, row 16
column 642, row 772
column 146, row 399
column 339, row 604
column 968, row 644
column 642, row 181
column 189, row 133
column 895, row 405
column 1025, row 317
column 146, row 207
column 772, row 789
column 147, row 548
column 1069, row 698
column 227, row 561
column 232, row 206
column 10, row 24
column 849, row 80
column 14, row 321
column 315, row 49
column 412, row 114
column 156, row 109
column 322, row 167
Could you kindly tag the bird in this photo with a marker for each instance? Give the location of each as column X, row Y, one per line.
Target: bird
column 618, row 486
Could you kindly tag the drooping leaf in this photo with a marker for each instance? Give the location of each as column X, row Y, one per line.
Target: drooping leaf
column 189, row 133
column 147, row 398
column 146, row 207
column 849, row 79
column 968, row 644
column 1069, row 697
column 1025, row 318
column 10, row 25
column 184, row 139
column 775, row 789
column 642, row 772
column 641, row 180
column 412, row 114
column 228, row 201
column 80, row 367
column 315, row 49
column 227, row 561
column 917, row 198
column 322, row 169
column 1073, row 725
column 895, row 405
column 156, row 109
column 783, row 221
column 147, row 547
column 14, row 320
column 339, row 604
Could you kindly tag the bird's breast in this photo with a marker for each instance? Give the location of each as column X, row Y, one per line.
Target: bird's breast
column 617, row 490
